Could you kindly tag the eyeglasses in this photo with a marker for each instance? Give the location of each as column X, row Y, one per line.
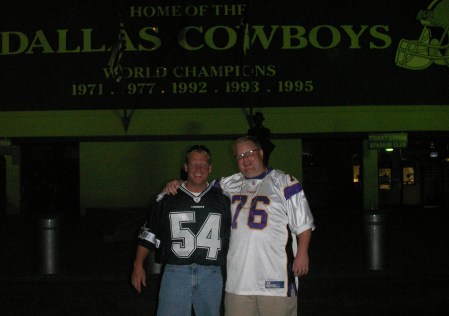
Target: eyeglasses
column 247, row 154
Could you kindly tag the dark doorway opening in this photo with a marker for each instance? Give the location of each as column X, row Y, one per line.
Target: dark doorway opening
column 50, row 178
column 331, row 170
column 417, row 176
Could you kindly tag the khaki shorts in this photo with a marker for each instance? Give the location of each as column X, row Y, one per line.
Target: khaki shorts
column 259, row 305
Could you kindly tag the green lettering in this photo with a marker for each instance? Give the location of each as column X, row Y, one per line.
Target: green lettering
column 385, row 38
column 355, row 42
column 87, row 42
column 154, row 40
column 7, row 40
column 335, row 36
column 40, row 41
column 260, row 34
column 209, row 37
column 292, row 32
column 62, row 47
column 109, row 72
column 182, row 37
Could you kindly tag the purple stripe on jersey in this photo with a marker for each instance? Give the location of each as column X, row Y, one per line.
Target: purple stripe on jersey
column 292, row 190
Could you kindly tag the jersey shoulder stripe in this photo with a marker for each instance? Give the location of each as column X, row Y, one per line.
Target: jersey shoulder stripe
column 289, row 183
column 292, row 190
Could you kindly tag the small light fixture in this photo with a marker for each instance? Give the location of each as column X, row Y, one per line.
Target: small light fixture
column 389, row 149
column 433, row 152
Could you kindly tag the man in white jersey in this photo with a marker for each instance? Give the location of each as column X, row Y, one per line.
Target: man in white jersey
column 269, row 210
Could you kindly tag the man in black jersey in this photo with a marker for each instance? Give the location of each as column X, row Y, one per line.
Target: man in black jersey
column 191, row 231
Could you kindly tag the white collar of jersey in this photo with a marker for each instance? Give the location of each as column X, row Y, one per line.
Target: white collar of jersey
column 260, row 176
column 195, row 196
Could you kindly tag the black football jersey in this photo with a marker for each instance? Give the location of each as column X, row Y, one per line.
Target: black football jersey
column 189, row 229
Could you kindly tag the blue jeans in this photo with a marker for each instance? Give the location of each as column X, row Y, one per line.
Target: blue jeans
column 185, row 285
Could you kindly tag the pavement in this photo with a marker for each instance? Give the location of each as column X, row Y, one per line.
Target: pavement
column 96, row 259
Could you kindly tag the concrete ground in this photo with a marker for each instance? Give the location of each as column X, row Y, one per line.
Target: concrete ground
column 96, row 256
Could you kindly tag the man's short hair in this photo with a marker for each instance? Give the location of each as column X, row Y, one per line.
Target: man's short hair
column 198, row 149
column 247, row 138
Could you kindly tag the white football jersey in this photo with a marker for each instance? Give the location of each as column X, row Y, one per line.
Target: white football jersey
column 267, row 213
